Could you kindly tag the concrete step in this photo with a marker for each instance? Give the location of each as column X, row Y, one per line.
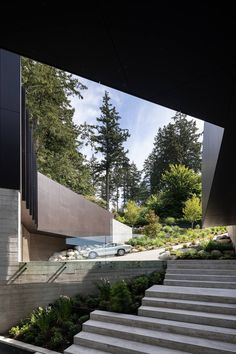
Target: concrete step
column 186, row 328
column 195, row 294
column 204, row 318
column 198, row 276
column 199, row 271
column 202, row 284
column 202, row 306
column 121, row 346
column 202, row 264
column 167, row 340
column 78, row 349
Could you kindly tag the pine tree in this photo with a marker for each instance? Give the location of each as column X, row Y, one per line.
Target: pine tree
column 48, row 92
column 176, row 143
column 108, row 140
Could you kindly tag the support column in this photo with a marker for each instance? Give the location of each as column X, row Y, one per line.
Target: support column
column 232, row 234
column 10, row 162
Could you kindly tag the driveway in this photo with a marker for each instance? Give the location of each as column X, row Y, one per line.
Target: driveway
column 137, row 256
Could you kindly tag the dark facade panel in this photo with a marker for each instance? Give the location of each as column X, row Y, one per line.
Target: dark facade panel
column 212, row 140
column 63, row 212
column 29, row 164
column 220, row 208
column 10, row 125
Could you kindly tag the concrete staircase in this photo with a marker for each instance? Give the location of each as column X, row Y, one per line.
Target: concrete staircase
column 193, row 312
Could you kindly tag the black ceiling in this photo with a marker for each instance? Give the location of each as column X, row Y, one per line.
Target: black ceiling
column 177, row 54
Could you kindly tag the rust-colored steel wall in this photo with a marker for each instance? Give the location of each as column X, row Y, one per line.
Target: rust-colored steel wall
column 61, row 211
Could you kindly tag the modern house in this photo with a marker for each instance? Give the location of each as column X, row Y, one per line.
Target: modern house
column 179, row 55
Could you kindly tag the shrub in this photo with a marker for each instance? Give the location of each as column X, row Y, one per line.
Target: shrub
column 167, row 229
column 138, row 285
column 104, row 288
column 213, row 245
column 120, row 297
column 63, row 308
column 169, row 220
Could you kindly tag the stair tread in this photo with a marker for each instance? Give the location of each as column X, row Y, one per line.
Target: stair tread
column 179, row 301
column 173, row 337
column 127, row 344
column 230, row 293
column 151, row 320
column 204, row 281
column 79, row 349
column 223, row 276
column 188, row 312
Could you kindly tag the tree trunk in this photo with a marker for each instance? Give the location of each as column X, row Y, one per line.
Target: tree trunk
column 107, row 188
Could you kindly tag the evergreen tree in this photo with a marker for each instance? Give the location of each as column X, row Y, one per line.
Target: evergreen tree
column 48, row 92
column 178, row 184
column 176, row 143
column 108, row 141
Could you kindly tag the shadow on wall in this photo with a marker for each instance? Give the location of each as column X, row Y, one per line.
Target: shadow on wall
column 40, row 283
column 8, row 233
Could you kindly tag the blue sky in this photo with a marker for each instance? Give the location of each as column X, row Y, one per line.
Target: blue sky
column 141, row 117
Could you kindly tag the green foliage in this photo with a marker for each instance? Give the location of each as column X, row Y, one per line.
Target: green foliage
column 179, row 183
column 56, row 340
column 169, row 220
column 120, row 297
column 131, row 213
column 48, row 92
column 176, row 143
column 192, row 210
column 54, row 326
column 213, row 245
column 153, row 227
column 138, row 285
column 104, row 287
column 63, row 308
column 98, row 201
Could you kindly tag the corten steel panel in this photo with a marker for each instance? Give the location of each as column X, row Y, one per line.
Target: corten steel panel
column 10, row 126
column 61, row 211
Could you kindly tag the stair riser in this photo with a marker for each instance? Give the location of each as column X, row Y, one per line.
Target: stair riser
column 199, row 284
column 199, row 271
column 190, row 307
column 204, row 277
column 194, row 297
column 202, row 267
column 106, row 347
column 193, row 348
column 169, row 328
column 188, row 318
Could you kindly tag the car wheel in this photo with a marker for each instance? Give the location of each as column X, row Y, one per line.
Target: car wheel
column 92, row 255
column 121, row 252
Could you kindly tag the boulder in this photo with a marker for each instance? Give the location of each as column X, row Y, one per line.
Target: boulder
column 216, row 254
column 221, row 237
column 165, row 256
